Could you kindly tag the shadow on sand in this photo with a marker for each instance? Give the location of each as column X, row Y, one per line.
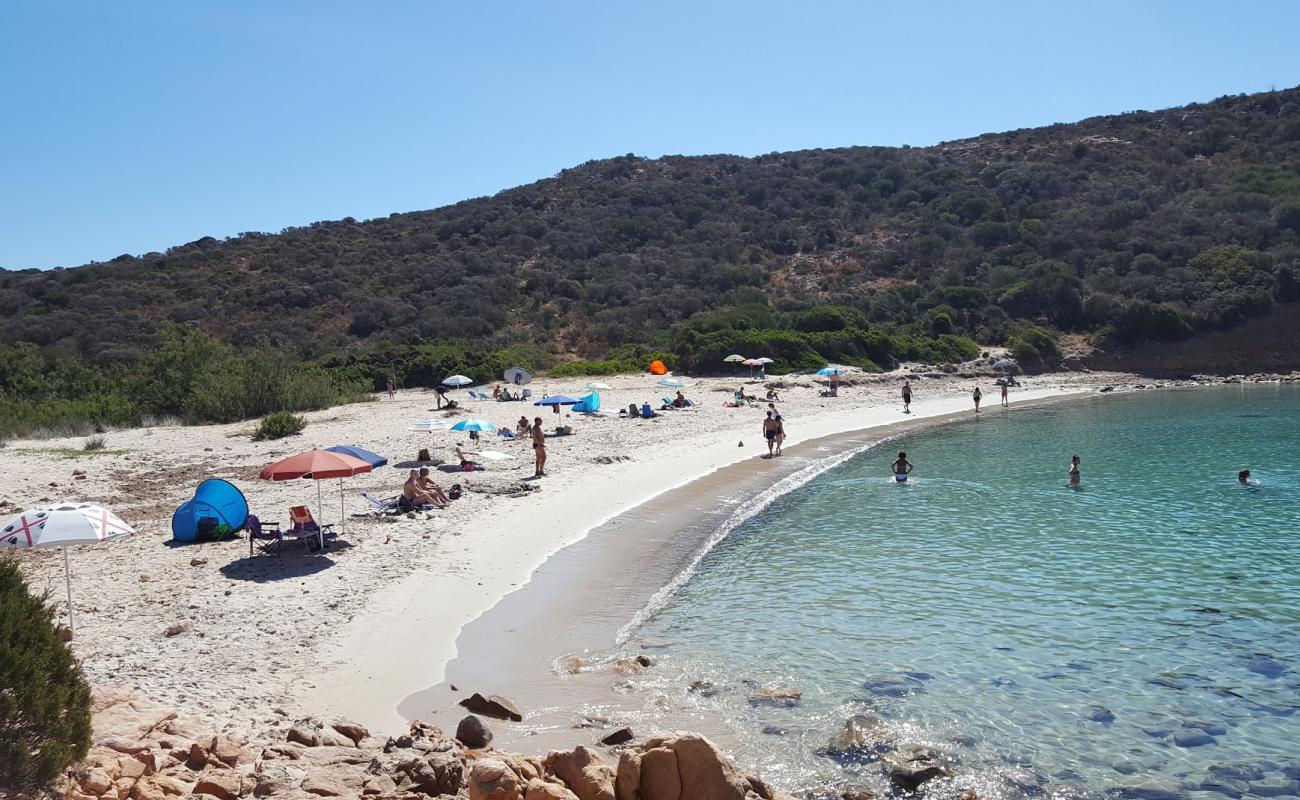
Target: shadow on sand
column 293, row 562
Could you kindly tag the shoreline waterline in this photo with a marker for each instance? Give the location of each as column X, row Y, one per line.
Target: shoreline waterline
column 549, row 644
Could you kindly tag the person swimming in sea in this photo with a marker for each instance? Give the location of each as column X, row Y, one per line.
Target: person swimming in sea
column 1074, row 470
column 902, row 467
column 1243, row 477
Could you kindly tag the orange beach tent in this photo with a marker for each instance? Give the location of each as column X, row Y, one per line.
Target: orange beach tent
column 657, row 368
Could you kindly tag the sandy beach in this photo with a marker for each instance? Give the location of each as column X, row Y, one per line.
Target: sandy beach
column 353, row 632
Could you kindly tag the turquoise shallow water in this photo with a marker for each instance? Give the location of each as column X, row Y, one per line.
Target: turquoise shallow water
column 1140, row 636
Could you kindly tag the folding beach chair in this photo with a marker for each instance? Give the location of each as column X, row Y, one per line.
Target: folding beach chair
column 306, row 528
column 256, row 533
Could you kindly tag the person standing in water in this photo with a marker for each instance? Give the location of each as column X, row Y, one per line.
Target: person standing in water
column 1243, row 477
column 902, row 467
column 907, row 396
column 1074, row 470
column 976, row 395
column 1004, row 394
column 770, row 427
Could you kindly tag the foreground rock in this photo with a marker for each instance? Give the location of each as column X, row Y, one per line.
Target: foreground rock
column 494, row 706
column 143, row 751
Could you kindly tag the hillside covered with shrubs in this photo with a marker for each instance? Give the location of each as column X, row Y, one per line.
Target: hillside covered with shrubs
column 1140, row 227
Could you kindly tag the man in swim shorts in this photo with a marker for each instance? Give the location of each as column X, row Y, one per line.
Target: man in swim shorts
column 907, row 396
column 902, row 467
column 770, row 427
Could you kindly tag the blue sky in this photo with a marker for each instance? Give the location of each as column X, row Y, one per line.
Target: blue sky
column 130, row 126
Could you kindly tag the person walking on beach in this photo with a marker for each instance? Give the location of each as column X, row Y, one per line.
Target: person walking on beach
column 1074, row 470
column 902, row 467
column 1004, row 395
column 780, row 428
column 907, row 396
column 392, row 388
column 770, row 426
column 539, row 448
column 976, row 395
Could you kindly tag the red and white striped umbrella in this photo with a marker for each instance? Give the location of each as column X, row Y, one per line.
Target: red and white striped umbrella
column 61, row 525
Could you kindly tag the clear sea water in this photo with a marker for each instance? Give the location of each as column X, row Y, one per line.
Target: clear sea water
column 1137, row 637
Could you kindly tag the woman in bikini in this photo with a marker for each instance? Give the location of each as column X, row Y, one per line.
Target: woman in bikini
column 902, row 467
column 539, row 448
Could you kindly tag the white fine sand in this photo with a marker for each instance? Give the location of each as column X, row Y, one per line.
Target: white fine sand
column 353, row 632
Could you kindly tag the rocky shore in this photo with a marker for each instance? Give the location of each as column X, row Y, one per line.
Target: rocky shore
column 145, row 751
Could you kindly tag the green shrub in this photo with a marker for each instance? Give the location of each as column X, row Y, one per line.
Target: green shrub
column 279, row 424
column 95, row 442
column 45, row 702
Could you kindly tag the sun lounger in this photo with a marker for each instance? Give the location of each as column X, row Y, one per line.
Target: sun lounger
column 477, row 395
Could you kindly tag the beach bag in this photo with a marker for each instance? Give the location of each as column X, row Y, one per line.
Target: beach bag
column 404, row 505
column 455, row 491
column 424, row 455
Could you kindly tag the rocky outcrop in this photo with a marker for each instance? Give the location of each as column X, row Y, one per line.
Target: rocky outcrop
column 145, row 752
column 495, row 706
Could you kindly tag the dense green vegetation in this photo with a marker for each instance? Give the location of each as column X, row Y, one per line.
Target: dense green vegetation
column 279, row 424
column 45, row 702
column 1141, row 227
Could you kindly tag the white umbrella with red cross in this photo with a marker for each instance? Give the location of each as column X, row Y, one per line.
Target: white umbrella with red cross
column 63, row 525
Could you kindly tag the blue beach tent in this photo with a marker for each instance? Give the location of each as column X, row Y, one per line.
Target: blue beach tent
column 589, row 404
column 214, row 499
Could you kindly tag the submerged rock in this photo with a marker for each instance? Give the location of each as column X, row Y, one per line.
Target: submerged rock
column 893, row 685
column 1193, row 738
column 1267, row 666
column 862, row 738
column 1101, row 714
column 780, row 698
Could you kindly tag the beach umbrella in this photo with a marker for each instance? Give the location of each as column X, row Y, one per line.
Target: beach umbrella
column 64, row 525
column 557, row 400
column 373, row 459
column 598, row 385
column 753, row 362
column 671, row 383
column 318, row 465
column 472, row 424
column 457, row 380
column 430, row 425
column 765, row 360
column 518, row 376
column 1005, row 365
column 734, row 359
column 828, row 371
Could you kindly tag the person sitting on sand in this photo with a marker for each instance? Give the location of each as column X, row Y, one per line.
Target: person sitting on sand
column 426, row 485
column 901, row 467
column 466, row 463
column 416, row 495
column 772, row 395
column 680, row 400
column 523, row 428
column 496, row 391
column 770, row 427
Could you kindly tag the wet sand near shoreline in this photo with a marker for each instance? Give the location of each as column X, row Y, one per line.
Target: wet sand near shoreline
column 563, row 647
